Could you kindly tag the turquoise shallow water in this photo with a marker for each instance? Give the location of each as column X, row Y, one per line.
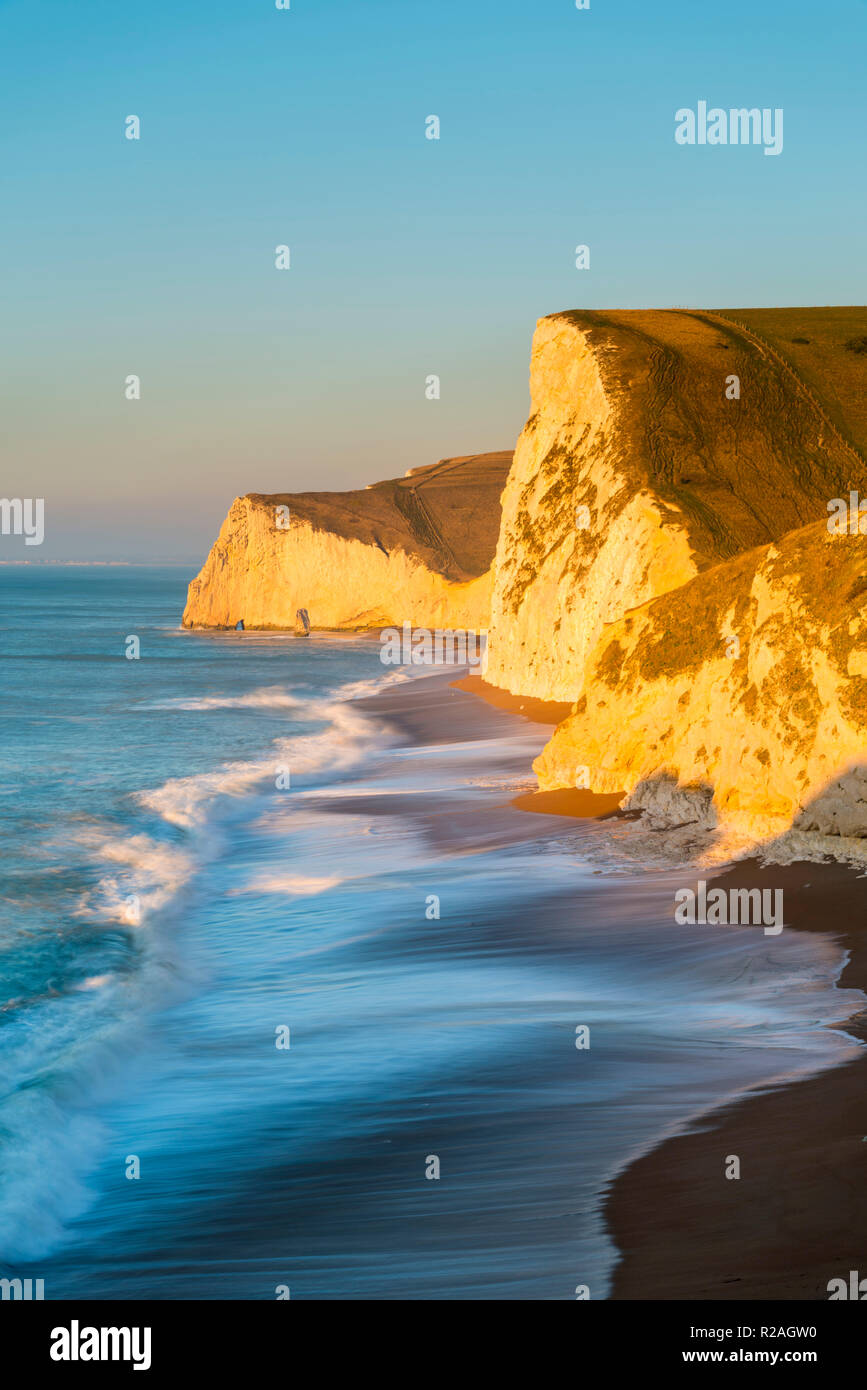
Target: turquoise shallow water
column 166, row 907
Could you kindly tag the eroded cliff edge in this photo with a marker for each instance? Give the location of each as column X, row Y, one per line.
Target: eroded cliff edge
column 416, row 549
column 659, row 558
column 636, row 471
column 734, row 701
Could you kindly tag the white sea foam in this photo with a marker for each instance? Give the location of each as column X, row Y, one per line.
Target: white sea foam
column 417, row 1021
column 186, row 801
column 146, row 873
column 88, row 1035
column 144, row 876
column 43, row 1190
column 294, row 884
column 50, row 1130
column 360, row 690
column 277, row 697
column 268, row 697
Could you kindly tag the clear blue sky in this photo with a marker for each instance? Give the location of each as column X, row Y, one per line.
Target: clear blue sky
column 409, row 256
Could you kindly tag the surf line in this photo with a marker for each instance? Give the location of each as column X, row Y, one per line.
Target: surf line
column 748, row 907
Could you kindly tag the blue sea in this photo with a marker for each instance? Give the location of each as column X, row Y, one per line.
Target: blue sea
column 214, row 849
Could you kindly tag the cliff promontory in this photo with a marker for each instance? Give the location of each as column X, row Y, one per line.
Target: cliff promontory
column 659, row 443
column 416, row 549
column 656, row 554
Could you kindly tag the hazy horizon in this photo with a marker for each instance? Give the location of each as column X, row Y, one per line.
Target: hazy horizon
column 410, row 257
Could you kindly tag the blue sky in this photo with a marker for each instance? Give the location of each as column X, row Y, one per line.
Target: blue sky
column 262, row 127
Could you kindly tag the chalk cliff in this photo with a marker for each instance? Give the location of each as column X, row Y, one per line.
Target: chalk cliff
column 416, row 549
column 738, row 700
column 658, row 444
column 656, row 554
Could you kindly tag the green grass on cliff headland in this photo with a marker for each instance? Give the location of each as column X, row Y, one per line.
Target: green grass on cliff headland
column 446, row 514
column 747, row 422
column 827, row 347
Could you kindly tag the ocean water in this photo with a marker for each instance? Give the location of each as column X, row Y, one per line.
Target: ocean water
column 169, row 907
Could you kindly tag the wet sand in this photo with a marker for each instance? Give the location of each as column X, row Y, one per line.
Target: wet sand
column 540, row 711
column 565, row 801
column 797, row 1216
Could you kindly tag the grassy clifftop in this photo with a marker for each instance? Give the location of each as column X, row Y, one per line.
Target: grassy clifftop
column 827, row 348
column 415, row 549
column 446, row 514
column 744, row 469
column 661, row 443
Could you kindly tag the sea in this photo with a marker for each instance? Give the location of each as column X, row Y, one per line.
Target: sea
column 261, row 1039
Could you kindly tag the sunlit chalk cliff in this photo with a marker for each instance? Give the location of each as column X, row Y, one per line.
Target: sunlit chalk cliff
column 417, row 549
column 658, row 444
column 657, row 555
column 739, row 700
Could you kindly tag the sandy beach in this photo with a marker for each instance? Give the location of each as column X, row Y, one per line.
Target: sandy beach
column 795, row 1218
column 451, row 1032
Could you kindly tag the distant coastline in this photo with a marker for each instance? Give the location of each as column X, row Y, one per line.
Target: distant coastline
column 100, row 564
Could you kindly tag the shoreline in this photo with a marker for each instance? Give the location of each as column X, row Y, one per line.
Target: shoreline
column 482, row 1055
column 797, row 1216
column 573, row 802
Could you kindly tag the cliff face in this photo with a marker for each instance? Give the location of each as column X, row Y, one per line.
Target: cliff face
column 739, row 700
column 417, row 549
column 663, row 561
column 638, row 468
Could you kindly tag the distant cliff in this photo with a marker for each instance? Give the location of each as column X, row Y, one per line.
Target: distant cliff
column 657, row 555
column 416, row 549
